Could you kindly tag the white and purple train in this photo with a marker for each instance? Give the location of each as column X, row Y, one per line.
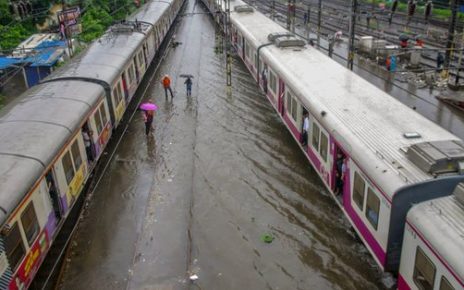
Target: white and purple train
column 44, row 163
column 397, row 163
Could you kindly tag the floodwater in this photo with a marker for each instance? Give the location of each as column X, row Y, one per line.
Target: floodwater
column 196, row 196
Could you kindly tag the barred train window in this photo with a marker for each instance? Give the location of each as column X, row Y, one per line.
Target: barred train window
column 445, row 284
column 294, row 109
column 424, row 271
column 30, row 223
column 315, row 137
column 372, row 208
column 272, row 82
column 98, row 121
column 68, row 167
column 14, row 246
column 358, row 190
column 103, row 114
column 118, row 86
column 76, row 155
column 324, row 146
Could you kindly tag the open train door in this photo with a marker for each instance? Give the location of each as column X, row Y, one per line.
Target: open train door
column 54, row 194
column 281, row 97
column 339, row 172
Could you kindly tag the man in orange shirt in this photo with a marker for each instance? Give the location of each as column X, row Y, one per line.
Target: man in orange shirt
column 166, row 81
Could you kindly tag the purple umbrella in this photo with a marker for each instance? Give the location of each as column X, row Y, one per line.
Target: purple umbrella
column 148, row 107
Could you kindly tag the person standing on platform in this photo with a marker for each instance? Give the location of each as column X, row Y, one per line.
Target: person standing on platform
column 166, row 81
column 148, row 120
column 188, row 84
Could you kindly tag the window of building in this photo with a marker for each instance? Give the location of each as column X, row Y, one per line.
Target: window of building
column 315, row 136
column 76, row 154
column 324, row 146
column 14, row 246
column 424, row 271
column 30, row 223
column 372, row 208
column 358, row 190
column 68, row 167
column 272, row 82
column 445, row 284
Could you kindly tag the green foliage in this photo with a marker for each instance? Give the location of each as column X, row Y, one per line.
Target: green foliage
column 12, row 35
column 5, row 15
column 94, row 23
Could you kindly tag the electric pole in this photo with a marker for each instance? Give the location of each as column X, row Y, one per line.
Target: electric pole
column 228, row 47
column 354, row 12
column 319, row 19
column 451, row 29
column 273, row 9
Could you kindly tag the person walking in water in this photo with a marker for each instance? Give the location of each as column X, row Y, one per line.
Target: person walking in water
column 166, row 81
column 188, row 84
column 148, row 119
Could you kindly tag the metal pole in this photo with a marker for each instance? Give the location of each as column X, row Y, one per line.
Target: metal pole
column 319, row 16
column 451, row 29
column 273, row 10
column 289, row 14
column 354, row 10
column 292, row 13
column 228, row 47
column 456, row 81
column 308, row 19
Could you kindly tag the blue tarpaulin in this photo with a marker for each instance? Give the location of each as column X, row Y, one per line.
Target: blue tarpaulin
column 6, row 62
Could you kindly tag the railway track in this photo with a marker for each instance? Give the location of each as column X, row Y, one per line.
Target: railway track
column 334, row 19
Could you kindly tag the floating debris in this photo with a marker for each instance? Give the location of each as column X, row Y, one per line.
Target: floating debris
column 267, row 238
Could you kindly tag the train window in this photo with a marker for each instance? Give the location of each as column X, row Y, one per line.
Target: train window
column 372, row 208
column 315, row 137
column 424, row 271
column 256, row 60
column 445, row 284
column 14, row 246
column 294, row 109
column 140, row 56
column 98, row 121
column 324, row 146
column 358, row 190
column 68, row 167
column 131, row 73
column 76, row 154
column 103, row 114
column 272, row 82
column 30, row 223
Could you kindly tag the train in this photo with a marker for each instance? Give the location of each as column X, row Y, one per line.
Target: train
column 53, row 135
column 394, row 161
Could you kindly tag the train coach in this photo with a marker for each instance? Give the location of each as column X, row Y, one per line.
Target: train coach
column 391, row 156
column 44, row 159
column 433, row 245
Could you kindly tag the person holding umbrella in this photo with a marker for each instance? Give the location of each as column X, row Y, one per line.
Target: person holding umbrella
column 188, row 83
column 148, row 114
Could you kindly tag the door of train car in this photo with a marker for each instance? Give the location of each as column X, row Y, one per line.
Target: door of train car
column 281, row 97
column 339, row 170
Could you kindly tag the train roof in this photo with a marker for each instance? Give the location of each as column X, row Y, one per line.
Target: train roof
column 151, row 12
column 440, row 223
column 104, row 59
column 372, row 122
column 33, row 129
